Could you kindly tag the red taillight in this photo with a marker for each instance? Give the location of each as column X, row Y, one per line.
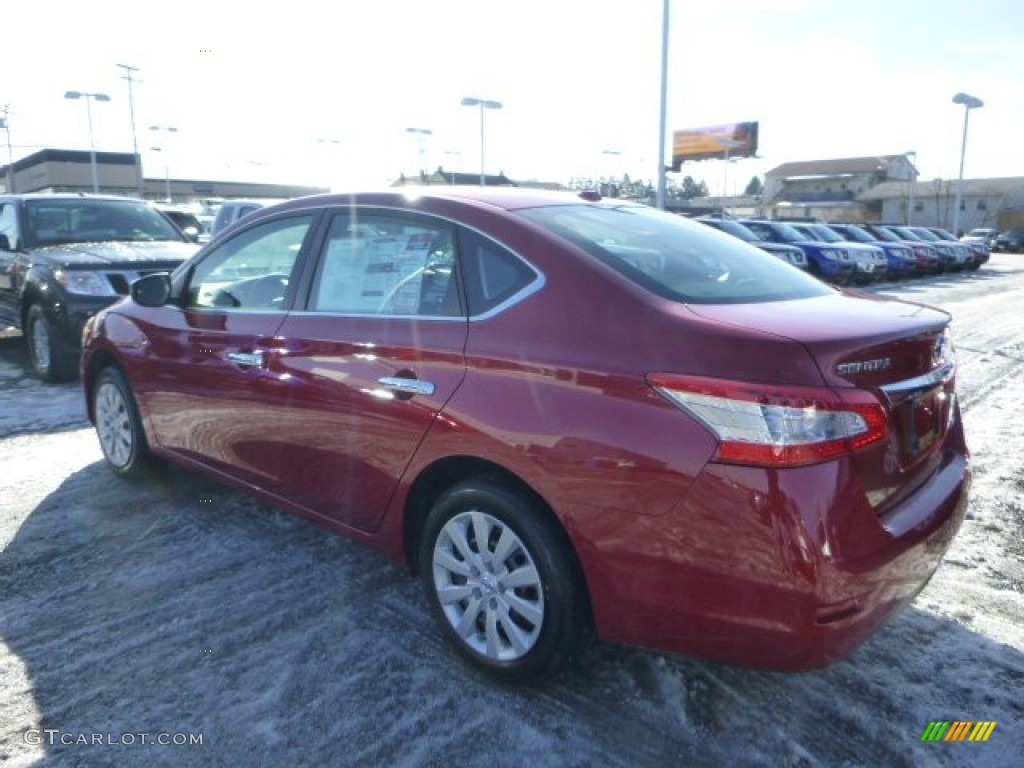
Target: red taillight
column 777, row 426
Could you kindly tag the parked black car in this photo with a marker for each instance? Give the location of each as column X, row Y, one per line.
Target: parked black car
column 1011, row 240
column 64, row 257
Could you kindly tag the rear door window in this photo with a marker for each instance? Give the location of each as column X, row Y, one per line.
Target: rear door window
column 387, row 264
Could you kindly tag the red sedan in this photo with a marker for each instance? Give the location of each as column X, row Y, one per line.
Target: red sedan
column 563, row 413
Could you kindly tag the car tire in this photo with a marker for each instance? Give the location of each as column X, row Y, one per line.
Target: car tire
column 49, row 355
column 118, row 426
column 516, row 608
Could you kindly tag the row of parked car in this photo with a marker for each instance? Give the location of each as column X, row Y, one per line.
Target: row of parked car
column 199, row 225
column 857, row 253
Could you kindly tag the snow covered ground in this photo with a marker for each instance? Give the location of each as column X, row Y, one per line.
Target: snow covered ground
column 179, row 609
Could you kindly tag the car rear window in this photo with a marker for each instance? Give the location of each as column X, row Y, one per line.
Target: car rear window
column 675, row 258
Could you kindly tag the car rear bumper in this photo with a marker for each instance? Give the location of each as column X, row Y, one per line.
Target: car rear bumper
column 796, row 577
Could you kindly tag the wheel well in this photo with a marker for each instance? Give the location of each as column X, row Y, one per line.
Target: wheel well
column 444, row 474
column 29, row 298
column 97, row 363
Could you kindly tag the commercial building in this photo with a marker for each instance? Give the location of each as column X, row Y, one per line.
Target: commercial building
column 886, row 188
column 65, row 170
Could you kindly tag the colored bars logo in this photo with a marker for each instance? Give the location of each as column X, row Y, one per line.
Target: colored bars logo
column 958, row 730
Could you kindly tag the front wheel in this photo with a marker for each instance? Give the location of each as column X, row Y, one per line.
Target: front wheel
column 50, row 356
column 501, row 581
column 118, row 425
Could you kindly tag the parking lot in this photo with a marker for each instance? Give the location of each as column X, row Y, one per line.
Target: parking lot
column 179, row 608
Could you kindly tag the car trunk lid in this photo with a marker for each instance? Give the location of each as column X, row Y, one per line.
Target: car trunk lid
column 899, row 352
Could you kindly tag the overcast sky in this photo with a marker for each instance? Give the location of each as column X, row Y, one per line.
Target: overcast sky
column 323, row 93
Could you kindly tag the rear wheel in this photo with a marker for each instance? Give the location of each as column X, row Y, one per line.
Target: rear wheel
column 51, row 358
column 501, row 581
column 118, row 425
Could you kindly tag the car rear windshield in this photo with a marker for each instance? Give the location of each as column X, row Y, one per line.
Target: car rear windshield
column 85, row 220
column 675, row 258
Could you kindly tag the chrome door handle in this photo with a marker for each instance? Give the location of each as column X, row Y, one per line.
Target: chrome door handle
column 246, row 358
column 408, row 386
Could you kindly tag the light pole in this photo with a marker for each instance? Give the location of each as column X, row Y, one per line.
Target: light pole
column 128, row 75
column 727, row 144
column 421, row 148
column 611, row 175
column 330, row 153
column 90, row 97
column 471, row 101
column 453, row 153
column 663, row 110
column 163, row 148
column 910, row 186
column 5, row 123
column 969, row 103
column 167, row 174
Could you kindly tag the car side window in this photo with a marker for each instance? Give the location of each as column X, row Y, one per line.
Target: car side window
column 253, row 270
column 9, row 225
column 493, row 274
column 387, row 264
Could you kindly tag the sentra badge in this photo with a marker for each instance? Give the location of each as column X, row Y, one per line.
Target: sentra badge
column 864, row 366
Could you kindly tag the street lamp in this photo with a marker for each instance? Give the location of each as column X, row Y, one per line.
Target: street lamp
column 453, row 153
column 471, row 101
column 663, row 108
column 611, row 168
column 163, row 148
column 129, row 77
column 330, row 155
column 727, row 144
column 421, row 137
column 89, row 98
column 910, row 187
column 969, row 103
column 5, row 123
column 167, row 174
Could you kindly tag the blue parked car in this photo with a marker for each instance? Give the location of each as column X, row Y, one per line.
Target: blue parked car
column 827, row 261
column 901, row 258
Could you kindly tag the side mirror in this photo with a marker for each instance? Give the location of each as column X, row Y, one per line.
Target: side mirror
column 5, row 244
column 192, row 233
column 152, row 290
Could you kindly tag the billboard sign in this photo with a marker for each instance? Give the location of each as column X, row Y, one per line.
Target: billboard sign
column 713, row 141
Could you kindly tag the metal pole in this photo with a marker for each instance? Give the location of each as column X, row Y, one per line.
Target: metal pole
column 910, row 189
column 135, row 142
column 483, row 180
column 960, row 179
column 10, row 151
column 664, row 101
column 725, row 177
column 92, row 146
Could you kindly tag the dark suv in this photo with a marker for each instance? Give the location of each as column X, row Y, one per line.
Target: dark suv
column 65, row 257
